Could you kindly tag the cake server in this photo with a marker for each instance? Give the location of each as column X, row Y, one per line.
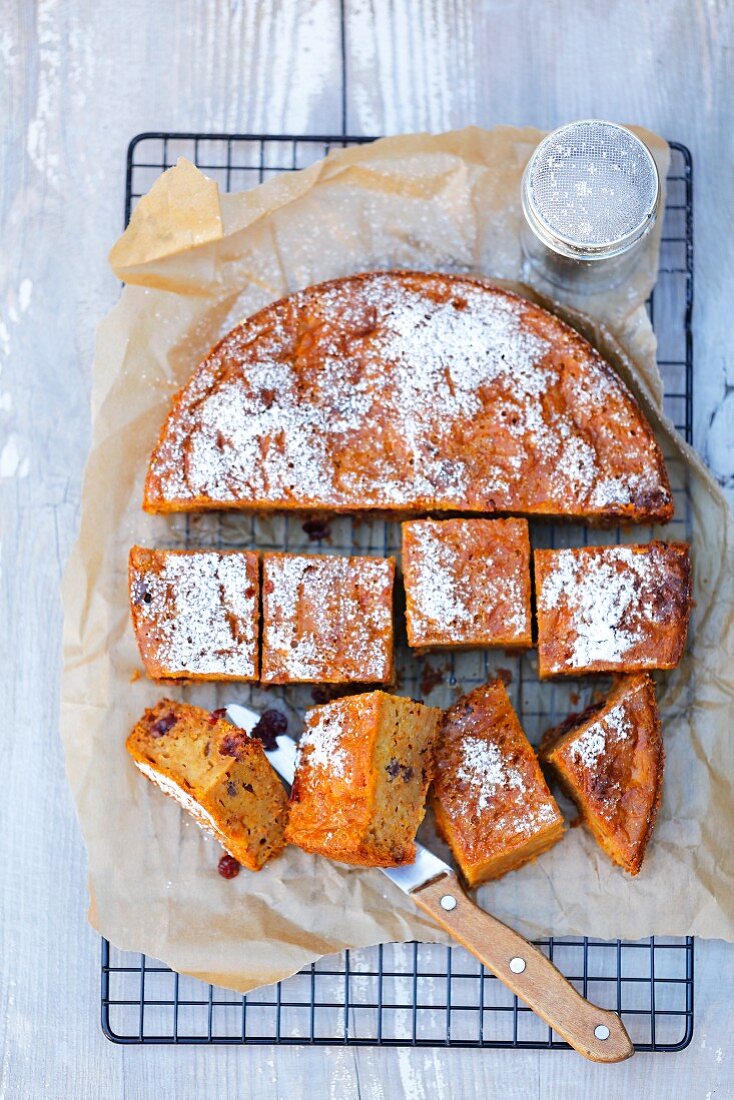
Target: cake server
column 596, row 1033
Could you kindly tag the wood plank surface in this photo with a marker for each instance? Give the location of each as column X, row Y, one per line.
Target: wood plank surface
column 78, row 78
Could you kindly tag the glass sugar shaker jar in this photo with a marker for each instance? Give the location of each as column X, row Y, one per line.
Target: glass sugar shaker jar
column 590, row 196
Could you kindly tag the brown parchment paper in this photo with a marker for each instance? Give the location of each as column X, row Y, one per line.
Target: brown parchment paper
column 196, row 262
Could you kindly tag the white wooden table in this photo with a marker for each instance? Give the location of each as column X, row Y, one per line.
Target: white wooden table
column 79, row 79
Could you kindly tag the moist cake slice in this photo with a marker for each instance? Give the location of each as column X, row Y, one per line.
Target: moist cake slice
column 612, row 608
column 363, row 769
column 327, row 619
column 610, row 760
column 489, row 797
column 216, row 772
column 195, row 613
column 467, row 583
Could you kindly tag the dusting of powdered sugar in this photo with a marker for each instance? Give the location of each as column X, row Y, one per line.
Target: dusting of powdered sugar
column 445, row 602
column 320, row 745
column 200, row 611
column 490, row 775
column 608, row 730
column 399, row 375
column 607, row 598
column 327, row 617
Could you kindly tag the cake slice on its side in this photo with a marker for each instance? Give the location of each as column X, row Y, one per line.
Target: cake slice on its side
column 610, row 760
column 467, row 583
column 196, row 613
column 490, row 800
column 216, row 772
column 363, row 769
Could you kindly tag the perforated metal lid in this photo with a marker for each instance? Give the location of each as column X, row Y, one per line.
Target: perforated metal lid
column 591, row 190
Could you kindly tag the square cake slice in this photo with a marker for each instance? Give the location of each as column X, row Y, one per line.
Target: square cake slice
column 363, row 769
column 196, row 613
column 467, row 583
column 216, row 772
column 609, row 760
column 612, row 608
column 327, row 619
column 490, row 800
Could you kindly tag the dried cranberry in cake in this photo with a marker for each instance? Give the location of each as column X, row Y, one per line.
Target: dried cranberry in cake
column 271, row 725
column 161, row 727
column 490, row 800
column 467, row 583
column 219, row 774
column 363, row 769
column 317, row 529
column 612, row 608
column 327, row 619
column 609, row 760
column 408, row 392
column 195, row 613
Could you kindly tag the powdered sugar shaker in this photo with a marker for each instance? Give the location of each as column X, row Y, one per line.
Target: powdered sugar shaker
column 590, row 195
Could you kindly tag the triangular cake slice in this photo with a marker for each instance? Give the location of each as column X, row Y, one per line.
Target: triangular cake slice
column 408, row 392
column 609, row 760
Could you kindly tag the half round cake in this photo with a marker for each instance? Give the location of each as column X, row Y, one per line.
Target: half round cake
column 405, row 392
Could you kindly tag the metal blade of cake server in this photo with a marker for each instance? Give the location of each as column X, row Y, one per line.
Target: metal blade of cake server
column 409, row 877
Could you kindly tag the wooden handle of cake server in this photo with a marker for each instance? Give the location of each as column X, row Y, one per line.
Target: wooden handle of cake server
column 596, row 1033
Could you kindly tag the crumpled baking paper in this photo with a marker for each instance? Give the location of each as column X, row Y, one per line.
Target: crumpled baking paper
column 196, row 262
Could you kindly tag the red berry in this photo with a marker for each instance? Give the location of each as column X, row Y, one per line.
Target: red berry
column 228, row 867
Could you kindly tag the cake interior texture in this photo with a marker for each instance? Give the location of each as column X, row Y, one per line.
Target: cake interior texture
column 363, row 770
column 217, row 773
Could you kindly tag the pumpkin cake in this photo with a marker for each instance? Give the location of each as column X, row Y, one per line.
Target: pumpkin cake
column 195, row 613
column 609, row 760
column 218, row 774
column 467, row 583
column 408, row 392
column 327, row 619
column 490, row 800
column 612, row 608
column 363, row 769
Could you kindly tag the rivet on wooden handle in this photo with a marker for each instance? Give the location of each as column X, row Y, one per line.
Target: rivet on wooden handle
column 595, row 1032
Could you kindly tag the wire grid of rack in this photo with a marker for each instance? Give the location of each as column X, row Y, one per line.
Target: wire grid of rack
column 418, row 994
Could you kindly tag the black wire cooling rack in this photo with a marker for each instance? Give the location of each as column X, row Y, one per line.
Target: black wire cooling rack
column 419, row 994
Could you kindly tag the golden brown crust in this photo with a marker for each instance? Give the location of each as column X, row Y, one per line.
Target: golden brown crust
column 216, row 772
column 467, row 583
column 490, row 799
column 408, row 392
column 610, row 761
column 327, row 619
column 363, row 771
column 196, row 613
column 612, row 608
